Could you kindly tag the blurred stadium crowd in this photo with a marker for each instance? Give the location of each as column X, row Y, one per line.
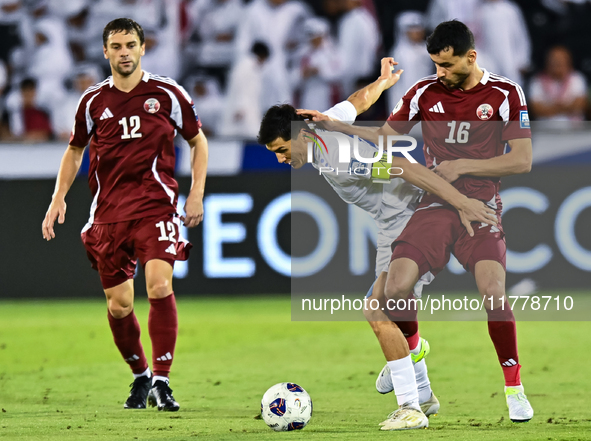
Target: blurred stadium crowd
column 237, row 57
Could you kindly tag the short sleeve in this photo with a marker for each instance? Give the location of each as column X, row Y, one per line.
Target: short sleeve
column 83, row 124
column 406, row 113
column 187, row 122
column 516, row 116
column 343, row 111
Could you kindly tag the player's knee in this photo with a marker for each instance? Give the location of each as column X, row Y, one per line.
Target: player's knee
column 159, row 288
column 119, row 309
column 396, row 289
column 493, row 288
column 493, row 292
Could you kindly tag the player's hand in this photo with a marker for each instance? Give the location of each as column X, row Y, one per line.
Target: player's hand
column 193, row 211
column 448, row 170
column 388, row 72
column 323, row 121
column 473, row 210
column 56, row 210
column 313, row 115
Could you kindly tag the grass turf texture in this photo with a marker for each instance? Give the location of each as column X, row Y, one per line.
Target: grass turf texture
column 61, row 377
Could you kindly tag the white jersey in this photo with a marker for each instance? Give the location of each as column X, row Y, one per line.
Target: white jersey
column 390, row 204
column 352, row 181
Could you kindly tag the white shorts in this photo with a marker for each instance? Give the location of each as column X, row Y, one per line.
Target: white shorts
column 384, row 253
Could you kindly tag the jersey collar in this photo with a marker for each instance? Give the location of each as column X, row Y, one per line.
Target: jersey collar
column 485, row 77
column 145, row 78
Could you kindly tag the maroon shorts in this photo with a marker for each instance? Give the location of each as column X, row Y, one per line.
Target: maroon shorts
column 437, row 231
column 113, row 249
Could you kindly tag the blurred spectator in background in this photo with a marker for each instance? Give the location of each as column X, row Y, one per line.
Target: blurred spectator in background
column 559, row 93
column 12, row 13
column 64, row 111
column 27, row 121
column 502, row 40
column 243, row 109
column 76, row 28
column 277, row 23
column 4, row 131
column 217, row 27
column 161, row 53
column 358, row 41
column 208, row 100
column 462, row 10
column 411, row 53
column 51, row 60
column 317, row 68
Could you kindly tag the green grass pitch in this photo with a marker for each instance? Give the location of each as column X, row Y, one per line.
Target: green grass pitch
column 61, row 377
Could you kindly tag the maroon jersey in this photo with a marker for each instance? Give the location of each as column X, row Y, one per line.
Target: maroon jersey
column 132, row 156
column 472, row 124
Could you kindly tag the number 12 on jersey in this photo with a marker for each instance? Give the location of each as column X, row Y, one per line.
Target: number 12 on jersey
column 461, row 136
column 134, row 123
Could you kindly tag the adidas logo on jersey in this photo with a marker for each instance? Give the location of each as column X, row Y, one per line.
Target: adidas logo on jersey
column 106, row 114
column 165, row 357
column 171, row 250
column 437, row 108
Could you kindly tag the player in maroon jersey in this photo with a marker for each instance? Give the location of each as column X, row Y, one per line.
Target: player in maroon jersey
column 467, row 115
column 131, row 119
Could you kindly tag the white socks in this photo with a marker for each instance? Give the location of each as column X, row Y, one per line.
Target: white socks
column 421, row 376
column 403, row 380
column 146, row 373
column 423, row 383
column 155, row 378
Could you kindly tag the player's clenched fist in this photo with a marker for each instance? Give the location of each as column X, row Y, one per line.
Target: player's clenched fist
column 56, row 210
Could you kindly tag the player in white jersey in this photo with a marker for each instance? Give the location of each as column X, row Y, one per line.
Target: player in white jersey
column 390, row 203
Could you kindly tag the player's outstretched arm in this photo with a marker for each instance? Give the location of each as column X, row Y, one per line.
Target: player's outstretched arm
column 364, row 98
column 69, row 167
column 470, row 210
column 199, row 155
column 517, row 161
column 370, row 134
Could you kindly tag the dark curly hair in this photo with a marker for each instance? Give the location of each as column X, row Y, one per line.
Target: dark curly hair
column 277, row 123
column 125, row 25
column 451, row 34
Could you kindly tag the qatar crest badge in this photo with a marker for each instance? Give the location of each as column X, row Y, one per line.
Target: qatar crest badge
column 152, row 105
column 484, row 111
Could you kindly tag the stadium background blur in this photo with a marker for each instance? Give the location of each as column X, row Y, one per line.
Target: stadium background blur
column 236, row 58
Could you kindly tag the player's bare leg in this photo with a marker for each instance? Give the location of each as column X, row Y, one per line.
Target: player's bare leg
column 163, row 329
column 419, row 348
column 395, row 349
column 490, row 279
column 126, row 333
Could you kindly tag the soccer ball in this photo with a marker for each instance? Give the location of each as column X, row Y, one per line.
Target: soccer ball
column 286, row 406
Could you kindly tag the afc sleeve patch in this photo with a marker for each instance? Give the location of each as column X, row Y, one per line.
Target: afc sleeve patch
column 523, row 119
column 397, row 107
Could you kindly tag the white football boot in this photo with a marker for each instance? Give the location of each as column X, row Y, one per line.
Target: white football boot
column 431, row 406
column 405, row 418
column 520, row 411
